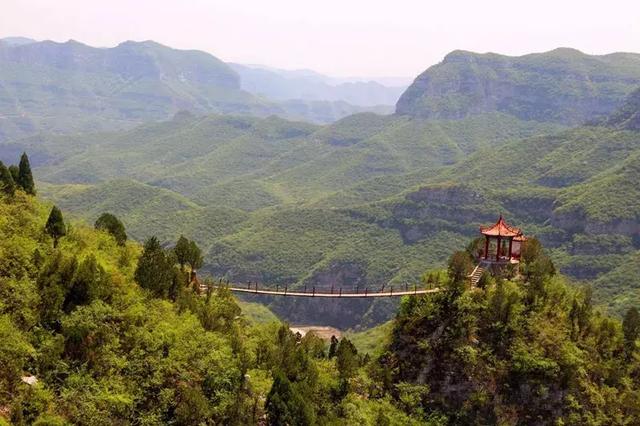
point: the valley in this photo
(301, 214)
(374, 199)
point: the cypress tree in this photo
(25, 178)
(181, 251)
(55, 226)
(285, 405)
(155, 269)
(7, 185)
(195, 256)
(111, 224)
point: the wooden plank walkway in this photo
(335, 294)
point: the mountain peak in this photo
(563, 86)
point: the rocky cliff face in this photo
(564, 86)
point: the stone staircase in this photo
(476, 274)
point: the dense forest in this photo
(98, 329)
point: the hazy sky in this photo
(337, 37)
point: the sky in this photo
(336, 37)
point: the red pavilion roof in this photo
(500, 229)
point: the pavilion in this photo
(503, 243)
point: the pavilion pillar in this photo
(498, 250)
(486, 247)
(510, 246)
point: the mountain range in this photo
(550, 140)
(71, 87)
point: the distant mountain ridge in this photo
(563, 86)
(304, 84)
(71, 87)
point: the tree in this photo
(531, 249)
(7, 185)
(155, 269)
(25, 178)
(333, 346)
(111, 224)
(15, 172)
(285, 406)
(85, 285)
(55, 226)
(631, 329)
(195, 256)
(181, 251)
(188, 252)
(347, 359)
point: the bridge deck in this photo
(335, 294)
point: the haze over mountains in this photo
(548, 139)
(70, 87)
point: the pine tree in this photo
(25, 178)
(155, 269)
(347, 359)
(55, 226)
(181, 251)
(195, 256)
(7, 185)
(285, 405)
(111, 224)
(188, 252)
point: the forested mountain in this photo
(71, 87)
(99, 330)
(562, 86)
(371, 200)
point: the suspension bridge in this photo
(252, 288)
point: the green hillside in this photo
(368, 200)
(563, 85)
(90, 337)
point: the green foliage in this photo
(284, 406)
(111, 224)
(15, 172)
(459, 268)
(7, 185)
(25, 178)
(522, 350)
(55, 225)
(347, 359)
(188, 252)
(155, 269)
(631, 329)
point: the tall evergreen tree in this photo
(155, 269)
(15, 172)
(181, 251)
(111, 224)
(195, 256)
(25, 178)
(7, 185)
(55, 226)
(285, 406)
(188, 252)
(347, 359)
